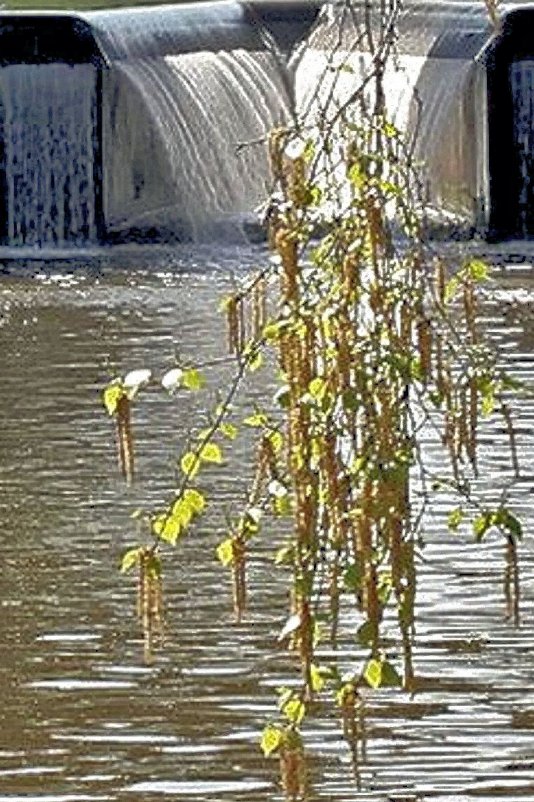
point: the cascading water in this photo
(48, 133)
(199, 160)
(522, 83)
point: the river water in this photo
(82, 718)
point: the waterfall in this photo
(48, 138)
(195, 162)
(522, 83)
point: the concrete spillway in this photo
(120, 125)
(127, 124)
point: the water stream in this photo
(48, 136)
(81, 717)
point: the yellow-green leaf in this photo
(272, 739)
(211, 453)
(111, 397)
(455, 518)
(317, 679)
(478, 270)
(225, 552)
(255, 362)
(195, 500)
(373, 673)
(192, 379)
(158, 523)
(229, 430)
(190, 464)
(171, 529)
(294, 710)
(258, 419)
(129, 559)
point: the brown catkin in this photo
(286, 246)
(293, 773)
(440, 281)
(424, 343)
(276, 144)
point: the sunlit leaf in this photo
(259, 419)
(111, 397)
(373, 673)
(477, 270)
(130, 558)
(317, 678)
(455, 518)
(190, 464)
(225, 551)
(255, 362)
(294, 710)
(285, 555)
(211, 452)
(229, 430)
(192, 379)
(171, 529)
(276, 440)
(271, 740)
(195, 500)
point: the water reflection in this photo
(82, 717)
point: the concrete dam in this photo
(149, 124)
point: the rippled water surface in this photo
(82, 717)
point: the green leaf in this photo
(282, 397)
(195, 500)
(272, 739)
(255, 362)
(509, 521)
(352, 578)
(190, 464)
(365, 633)
(294, 710)
(229, 430)
(477, 269)
(317, 388)
(130, 558)
(282, 506)
(285, 556)
(373, 673)
(317, 678)
(192, 379)
(481, 524)
(225, 552)
(451, 288)
(390, 676)
(211, 453)
(111, 397)
(171, 530)
(276, 440)
(158, 523)
(259, 419)
(455, 518)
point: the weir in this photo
(149, 124)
